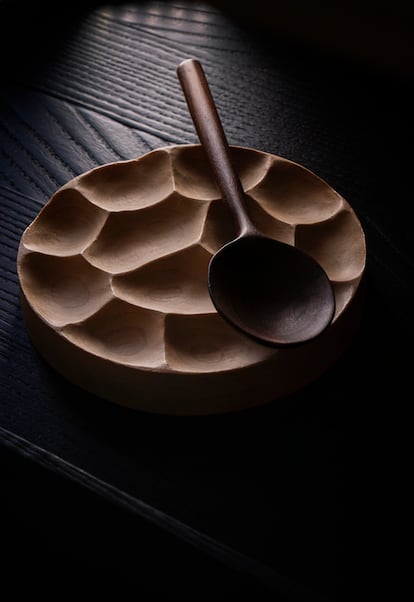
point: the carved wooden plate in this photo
(113, 275)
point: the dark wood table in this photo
(282, 502)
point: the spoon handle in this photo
(211, 134)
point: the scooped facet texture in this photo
(113, 273)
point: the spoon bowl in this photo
(253, 283)
(270, 290)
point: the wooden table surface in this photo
(281, 501)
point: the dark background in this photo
(298, 500)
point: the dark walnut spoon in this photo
(270, 290)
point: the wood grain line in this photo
(13, 195)
(99, 136)
(73, 77)
(27, 178)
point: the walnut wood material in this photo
(212, 136)
(270, 290)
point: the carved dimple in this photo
(66, 225)
(292, 194)
(122, 333)
(175, 283)
(337, 244)
(129, 185)
(206, 343)
(63, 289)
(132, 239)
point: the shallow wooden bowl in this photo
(113, 275)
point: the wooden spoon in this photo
(272, 291)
